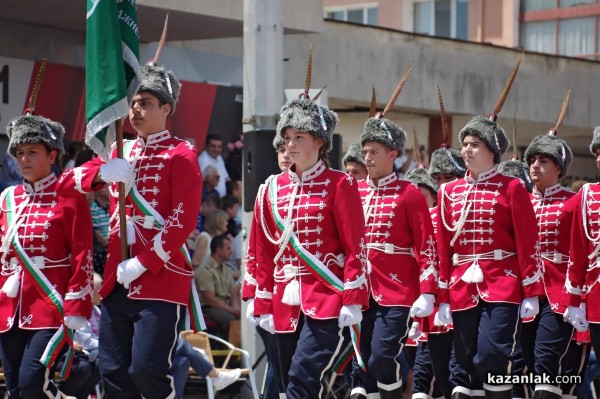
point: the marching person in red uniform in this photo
(143, 295)
(249, 285)
(311, 273)
(487, 248)
(546, 338)
(583, 272)
(354, 162)
(47, 265)
(401, 253)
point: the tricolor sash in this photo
(50, 295)
(194, 318)
(315, 266)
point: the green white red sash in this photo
(50, 295)
(194, 317)
(315, 266)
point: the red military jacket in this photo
(309, 223)
(488, 223)
(249, 284)
(554, 212)
(583, 272)
(400, 241)
(56, 235)
(427, 323)
(167, 177)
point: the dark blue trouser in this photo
(443, 362)
(137, 342)
(520, 368)
(424, 382)
(359, 377)
(185, 357)
(318, 345)
(272, 357)
(574, 363)
(84, 376)
(545, 341)
(389, 333)
(286, 346)
(20, 351)
(595, 333)
(485, 338)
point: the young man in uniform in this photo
(143, 295)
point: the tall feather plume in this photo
(396, 93)
(161, 42)
(308, 71)
(373, 108)
(416, 147)
(514, 135)
(36, 87)
(443, 116)
(511, 79)
(314, 100)
(563, 111)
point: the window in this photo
(367, 15)
(539, 36)
(573, 3)
(576, 36)
(445, 18)
(532, 5)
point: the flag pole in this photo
(122, 214)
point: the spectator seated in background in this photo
(219, 293)
(85, 372)
(212, 156)
(100, 222)
(231, 206)
(211, 177)
(11, 174)
(185, 357)
(234, 187)
(216, 223)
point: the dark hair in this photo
(324, 154)
(212, 137)
(84, 156)
(231, 185)
(218, 242)
(229, 201)
(215, 199)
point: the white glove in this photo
(11, 285)
(250, 312)
(530, 307)
(267, 323)
(415, 332)
(576, 316)
(75, 322)
(423, 306)
(129, 270)
(116, 170)
(445, 313)
(349, 315)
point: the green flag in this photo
(112, 69)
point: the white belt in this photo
(555, 257)
(473, 274)
(41, 262)
(391, 249)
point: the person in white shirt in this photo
(211, 156)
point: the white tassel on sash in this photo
(11, 285)
(473, 274)
(291, 294)
(131, 239)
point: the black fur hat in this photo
(595, 140)
(489, 132)
(518, 169)
(447, 161)
(421, 177)
(162, 83)
(354, 154)
(33, 129)
(551, 146)
(305, 115)
(384, 131)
